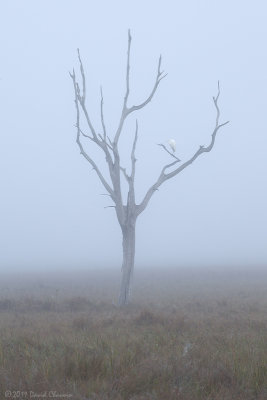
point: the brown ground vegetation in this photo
(187, 335)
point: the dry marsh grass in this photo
(187, 335)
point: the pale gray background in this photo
(214, 213)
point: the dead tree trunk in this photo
(128, 213)
(128, 248)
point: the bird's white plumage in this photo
(172, 144)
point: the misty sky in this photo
(214, 212)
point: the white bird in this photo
(172, 144)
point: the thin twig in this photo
(127, 177)
(171, 154)
(102, 116)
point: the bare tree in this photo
(128, 213)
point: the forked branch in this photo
(159, 77)
(80, 98)
(82, 151)
(128, 110)
(202, 149)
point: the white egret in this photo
(172, 144)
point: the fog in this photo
(212, 214)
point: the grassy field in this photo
(188, 334)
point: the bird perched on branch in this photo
(172, 144)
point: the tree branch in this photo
(102, 117)
(202, 149)
(128, 69)
(83, 78)
(171, 154)
(82, 151)
(103, 140)
(169, 165)
(133, 159)
(124, 112)
(84, 134)
(127, 177)
(125, 109)
(130, 178)
(81, 99)
(159, 77)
